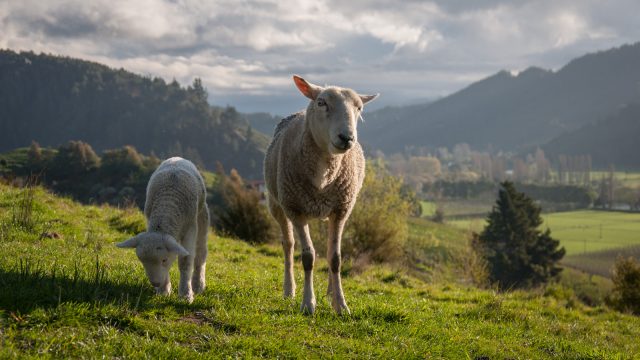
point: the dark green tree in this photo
(518, 253)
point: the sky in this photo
(246, 51)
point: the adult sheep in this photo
(177, 226)
(314, 168)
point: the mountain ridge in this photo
(512, 112)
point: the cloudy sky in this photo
(246, 51)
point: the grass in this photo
(80, 297)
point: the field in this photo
(593, 239)
(75, 295)
(628, 179)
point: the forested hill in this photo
(53, 99)
(612, 141)
(514, 112)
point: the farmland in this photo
(583, 231)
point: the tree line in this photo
(52, 100)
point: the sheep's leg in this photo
(287, 246)
(308, 258)
(198, 281)
(336, 226)
(185, 264)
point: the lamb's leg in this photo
(336, 226)
(308, 258)
(164, 289)
(287, 246)
(185, 264)
(198, 281)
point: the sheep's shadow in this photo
(26, 287)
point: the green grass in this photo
(80, 297)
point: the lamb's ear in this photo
(367, 98)
(306, 88)
(129, 243)
(173, 246)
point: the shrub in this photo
(377, 227)
(240, 213)
(626, 286)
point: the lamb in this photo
(314, 168)
(177, 226)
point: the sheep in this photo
(314, 168)
(177, 225)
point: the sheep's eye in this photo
(359, 108)
(164, 261)
(321, 102)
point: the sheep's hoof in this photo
(198, 287)
(188, 296)
(342, 310)
(309, 308)
(289, 293)
(340, 306)
(164, 290)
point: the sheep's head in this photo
(333, 114)
(157, 252)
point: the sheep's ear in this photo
(306, 88)
(130, 243)
(367, 98)
(173, 246)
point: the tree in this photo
(517, 252)
(76, 158)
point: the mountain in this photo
(613, 140)
(514, 112)
(52, 100)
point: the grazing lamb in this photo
(177, 225)
(314, 168)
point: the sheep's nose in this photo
(347, 140)
(155, 284)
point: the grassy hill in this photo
(67, 292)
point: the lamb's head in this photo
(157, 252)
(332, 115)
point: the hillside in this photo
(514, 112)
(613, 140)
(77, 296)
(53, 99)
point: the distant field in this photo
(628, 179)
(457, 208)
(582, 231)
(593, 239)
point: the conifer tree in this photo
(518, 253)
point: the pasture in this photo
(75, 295)
(584, 231)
